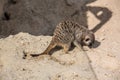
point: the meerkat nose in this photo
(90, 45)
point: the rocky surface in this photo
(40, 17)
(14, 65)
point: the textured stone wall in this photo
(39, 17)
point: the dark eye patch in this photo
(87, 39)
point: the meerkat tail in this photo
(34, 55)
(48, 49)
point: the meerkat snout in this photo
(89, 39)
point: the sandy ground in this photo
(106, 57)
(59, 66)
(102, 62)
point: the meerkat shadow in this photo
(57, 48)
(96, 44)
(101, 13)
(72, 47)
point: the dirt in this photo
(100, 63)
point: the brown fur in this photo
(67, 32)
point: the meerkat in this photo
(68, 32)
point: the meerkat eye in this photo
(87, 39)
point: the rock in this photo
(40, 17)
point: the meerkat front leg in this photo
(78, 45)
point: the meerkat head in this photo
(88, 39)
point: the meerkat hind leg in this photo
(66, 47)
(49, 48)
